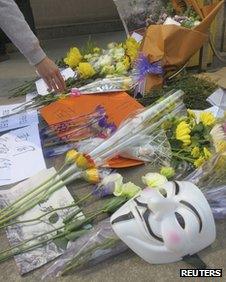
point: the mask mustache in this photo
(124, 217)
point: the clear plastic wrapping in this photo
(211, 174)
(108, 84)
(135, 129)
(135, 13)
(216, 197)
(155, 149)
(98, 245)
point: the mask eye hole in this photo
(180, 219)
(163, 192)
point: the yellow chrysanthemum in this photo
(73, 58)
(183, 133)
(195, 152)
(207, 118)
(207, 153)
(86, 70)
(131, 46)
(199, 162)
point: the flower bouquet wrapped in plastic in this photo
(108, 84)
(212, 173)
(76, 129)
(134, 14)
(173, 45)
(136, 128)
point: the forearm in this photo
(16, 28)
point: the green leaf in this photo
(177, 144)
(54, 218)
(72, 236)
(61, 242)
(198, 128)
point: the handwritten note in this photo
(20, 155)
(42, 87)
(16, 121)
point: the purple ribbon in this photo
(143, 67)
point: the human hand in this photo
(48, 70)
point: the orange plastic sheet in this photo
(118, 106)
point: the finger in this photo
(62, 84)
(48, 83)
(52, 85)
(59, 83)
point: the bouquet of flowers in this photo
(160, 44)
(135, 14)
(92, 63)
(78, 128)
(190, 137)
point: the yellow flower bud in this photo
(92, 175)
(84, 162)
(195, 152)
(71, 156)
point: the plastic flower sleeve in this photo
(109, 84)
(154, 149)
(135, 13)
(149, 119)
(211, 174)
(216, 198)
(96, 246)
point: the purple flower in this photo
(224, 127)
(103, 122)
(100, 110)
(101, 191)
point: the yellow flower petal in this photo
(207, 118)
(86, 70)
(73, 58)
(183, 133)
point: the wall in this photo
(52, 13)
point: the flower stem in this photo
(29, 193)
(27, 205)
(37, 218)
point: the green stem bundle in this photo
(38, 195)
(69, 228)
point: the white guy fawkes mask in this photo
(167, 225)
